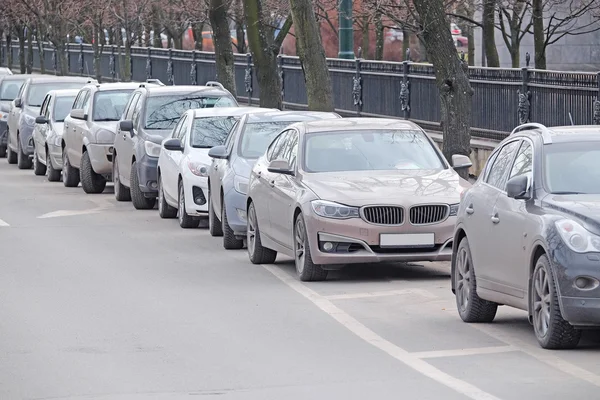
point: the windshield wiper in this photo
(567, 192)
(202, 146)
(105, 120)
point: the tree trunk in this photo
(379, 37)
(126, 65)
(29, 65)
(240, 36)
(489, 38)
(365, 37)
(157, 41)
(9, 57)
(312, 56)
(222, 41)
(405, 43)
(451, 78)
(538, 34)
(97, 47)
(265, 61)
(197, 29)
(21, 37)
(41, 52)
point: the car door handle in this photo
(469, 210)
(495, 218)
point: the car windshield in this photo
(572, 168)
(370, 150)
(258, 135)
(109, 105)
(163, 112)
(10, 89)
(38, 91)
(210, 131)
(62, 107)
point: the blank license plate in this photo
(407, 240)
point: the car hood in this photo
(583, 207)
(388, 187)
(157, 135)
(243, 167)
(33, 111)
(200, 155)
(105, 125)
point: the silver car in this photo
(9, 89)
(230, 170)
(48, 131)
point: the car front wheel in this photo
(11, 156)
(91, 182)
(305, 268)
(23, 160)
(140, 202)
(39, 169)
(122, 192)
(164, 209)
(214, 226)
(53, 174)
(185, 220)
(257, 253)
(70, 174)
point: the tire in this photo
(186, 221)
(164, 209)
(306, 270)
(140, 202)
(471, 307)
(214, 226)
(23, 161)
(70, 174)
(2, 151)
(256, 252)
(91, 182)
(11, 157)
(122, 193)
(39, 169)
(53, 174)
(551, 330)
(230, 242)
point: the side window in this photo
(131, 106)
(22, 92)
(501, 166)
(136, 112)
(86, 102)
(179, 130)
(231, 137)
(274, 150)
(78, 104)
(523, 164)
(292, 149)
(44, 108)
(48, 109)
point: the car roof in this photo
(228, 111)
(558, 134)
(64, 92)
(346, 124)
(290, 116)
(47, 79)
(166, 90)
(15, 77)
(115, 86)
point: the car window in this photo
(135, 116)
(273, 145)
(62, 107)
(291, 149)
(231, 136)
(38, 91)
(180, 127)
(131, 106)
(109, 105)
(22, 91)
(501, 166)
(86, 103)
(208, 132)
(572, 168)
(10, 89)
(79, 100)
(524, 161)
(257, 136)
(44, 108)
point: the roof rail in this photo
(215, 84)
(546, 137)
(92, 80)
(155, 81)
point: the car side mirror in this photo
(126, 126)
(460, 161)
(78, 113)
(41, 120)
(17, 103)
(280, 167)
(219, 152)
(173, 145)
(518, 187)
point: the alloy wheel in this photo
(251, 230)
(300, 238)
(541, 301)
(181, 203)
(463, 280)
(160, 196)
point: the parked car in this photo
(48, 132)
(233, 161)
(357, 190)
(89, 134)
(183, 163)
(4, 71)
(528, 233)
(149, 118)
(9, 89)
(26, 107)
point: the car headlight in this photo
(240, 184)
(329, 209)
(3, 116)
(152, 149)
(57, 140)
(453, 210)
(576, 237)
(104, 136)
(197, 168)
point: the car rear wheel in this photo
(70, 174)
(214, 226)
(91, 182)
(186, 221)
(39, 169)
(164, 209)
(2, 151)
(230, 242)
(122, 192)
(551, 330)
(23, 160)
(11, 156)
(140, 202)
(471, 307)
(305, 268)
(53, 174)
(257, 253)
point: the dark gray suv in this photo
(149, 117)
(528, 233)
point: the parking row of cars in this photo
(330, 191)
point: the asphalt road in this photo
(100, 301)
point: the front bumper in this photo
(356, 241)
(196, 194)
(101, 158)
(148, 175)
(235, 206)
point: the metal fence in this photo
(502, 98)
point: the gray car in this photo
(528, 233)
(9, 89)
(232, 164)
(89, 134)
(48, 131)
(26, 108)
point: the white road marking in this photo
(545, 356)
(69, 213)
(464, 352)
(374, 339)
(398, 292)
(4, 223)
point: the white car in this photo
(183, 162)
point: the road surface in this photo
(100, 301)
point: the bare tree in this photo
(218, 15)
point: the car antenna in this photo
(571, 118)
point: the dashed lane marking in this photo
(464, 352)
(399, 292)
(3, 223)
(69, 213)
(369, 336)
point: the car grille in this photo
(429, 214)
(384, 215)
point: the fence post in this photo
(596, 109)
(194, 69)
(111, 63)
(405, 86)
(357, 85)
(524, 105)
(170, 76)
(148, 63)
(81, 61)
(54, 60)
(248, 78)
(281, 78)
